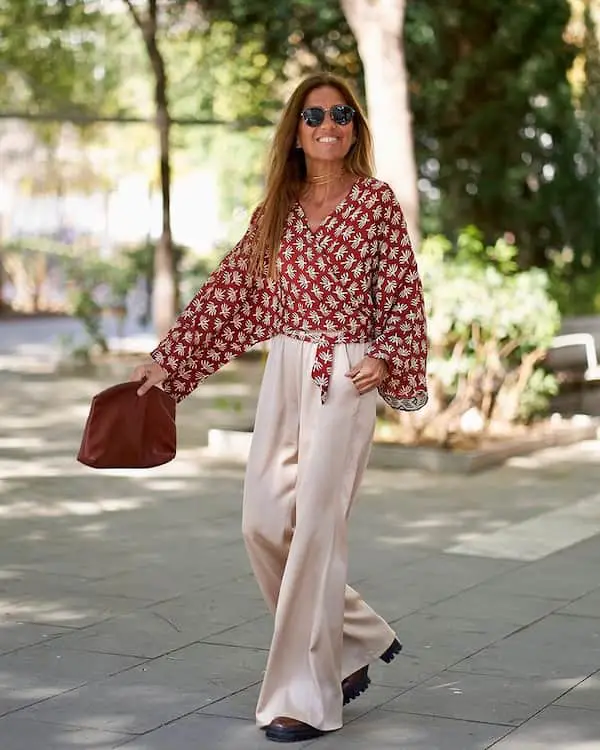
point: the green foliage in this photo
(498, 134)
(296, 37)
(534, 399)
(504, 142)
(87, 310)
(501, 142)
(489, 325)
(53, 57)
(576, 293)
(86, 275)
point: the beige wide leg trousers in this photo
(304, 468)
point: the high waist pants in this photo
(304, 468)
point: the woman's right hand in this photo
(151, 373)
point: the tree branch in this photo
(135, 15)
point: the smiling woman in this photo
(327, 273)
(349, 154)
(325, 136)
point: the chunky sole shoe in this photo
(358, 682)
(393, 651)
(283, 729)
(355, 684)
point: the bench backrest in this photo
(572, 352)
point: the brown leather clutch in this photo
(127, 431)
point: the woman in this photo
(325, 271)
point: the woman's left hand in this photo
(369, 373)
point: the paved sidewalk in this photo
(129, 618)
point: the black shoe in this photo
(355, 684)
(359, 681)
(393, 651)
(283, 729)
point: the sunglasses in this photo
(341, 114)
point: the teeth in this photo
(327, 139)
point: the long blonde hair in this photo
(286, 171)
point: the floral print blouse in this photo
(353, 279)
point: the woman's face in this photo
(328, 142)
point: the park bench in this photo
(573, 358)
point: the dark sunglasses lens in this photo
(342, 114)
(313, 116)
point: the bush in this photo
(489, 326)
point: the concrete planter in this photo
(234, 445)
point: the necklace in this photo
(325, 179)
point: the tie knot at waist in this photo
(324, 354)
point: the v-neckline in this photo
(339, 205)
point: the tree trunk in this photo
(165, 302)
(165, 297)
(378, 28)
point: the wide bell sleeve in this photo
(230, 313)
(399, 311)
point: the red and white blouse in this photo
(353, 279)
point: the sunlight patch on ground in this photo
(419, 540)
(40, 611)
(587, 451)
(536, 537)
(585, 683)
(29, 509)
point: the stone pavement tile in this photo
(160, 571)
(437, 512)
(153, 584)
(18, 733)
(556, 728)
(587, 550)
(388, 730)
(15, 579)
(452, 638)
(377, 696)
(559, 576)
(408, 669)
(370, 560)
(393, 602)
(426, 655)
(142, 634)
(253, 634)
(585, 606)
(70, 558)
(242, 704)
(130, 709)
(539, 536)
(38, 672)
(403, 589)
(472, 697)
(436, 649)
(483, 601)
(156, 630)
(226, 667)
(14, 634)
(33, 583)
(211, 610)
(584, 695)
(557, 647)
(143, 698)
(238, 705)
(443, 574)
(66, 610)
(199, 732)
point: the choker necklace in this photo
(324, 179)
